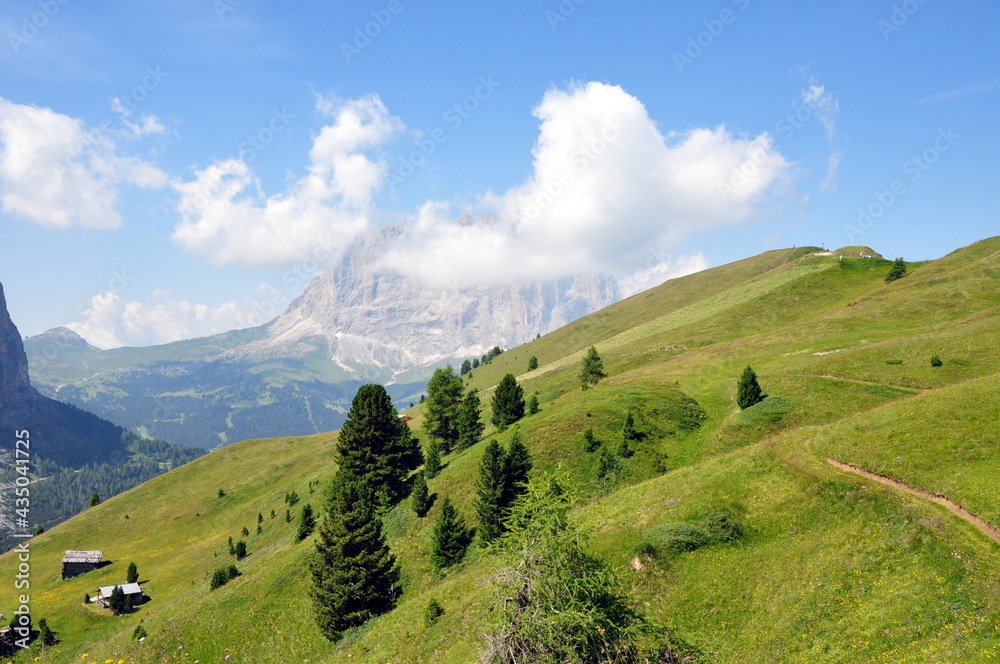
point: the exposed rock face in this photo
(370, 319)
(13, 362)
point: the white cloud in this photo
(607, 186)
(148, 125)
(55, 171)
(824, 104)
(654, 275)
(111, 322)
(226, 218)
(830, 181)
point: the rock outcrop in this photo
(13, 361)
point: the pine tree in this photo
(748, 390)
(508, 402)
(117, 601)
(451, 537)
(307, 523)
(45, 633)
(490, 489)
(532, 363)
(470, 423)
(628, 428)
(444, 396)
(432, 463)
(374, 446)
(518, 465)
(898, 270)
(95, 500)
(533, 404)
(354, 575)
(592, 369)
(132, 573)
(419, 497)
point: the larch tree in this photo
(592, 369)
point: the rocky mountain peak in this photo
(377, 324)
(13, 361)
(63, 336)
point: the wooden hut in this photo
(76, 563)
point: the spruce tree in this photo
(748, 390)
(470, 423)
(45, 633)
(132, 573)
(432, 464)
(117, 601)
(466, 367)
(354, 575)
(592, 369)
(898, 270)
(518, 465)
(307, 523)
(375, 447)
(508, 402)
(532, 363)
(628, 428)
(420, 499)
(491, 486)
(95, 500)
(241, 550)
(533, 404)
(444, 396)
(451, 537)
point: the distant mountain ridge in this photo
(75, 451)
(295, 375)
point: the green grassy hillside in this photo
(831, 567)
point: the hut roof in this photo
(127, 588)
(92, 557)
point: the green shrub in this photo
(722, 527)
(936, 361)
(139, 633)
(433, 612)
(893, 361)
(222, 575)
(590, 442)
(677, 537)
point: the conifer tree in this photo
(132, 573)
(451, 537)
(533, 404)
(897, 271)
(354, 575)
(748, 390)
(117, 601)
(470, 423)
(375, 447)
(532, 363)
(508, 402)
(432, 464)
(45, 633)
(517, 466)
(628, 428)
(241, 550)
(592, 369)
(444, 396)
(419, 496)
(95, 500)
(466, 367)
(491, 486)
(307, 522)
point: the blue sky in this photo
(166, 167)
